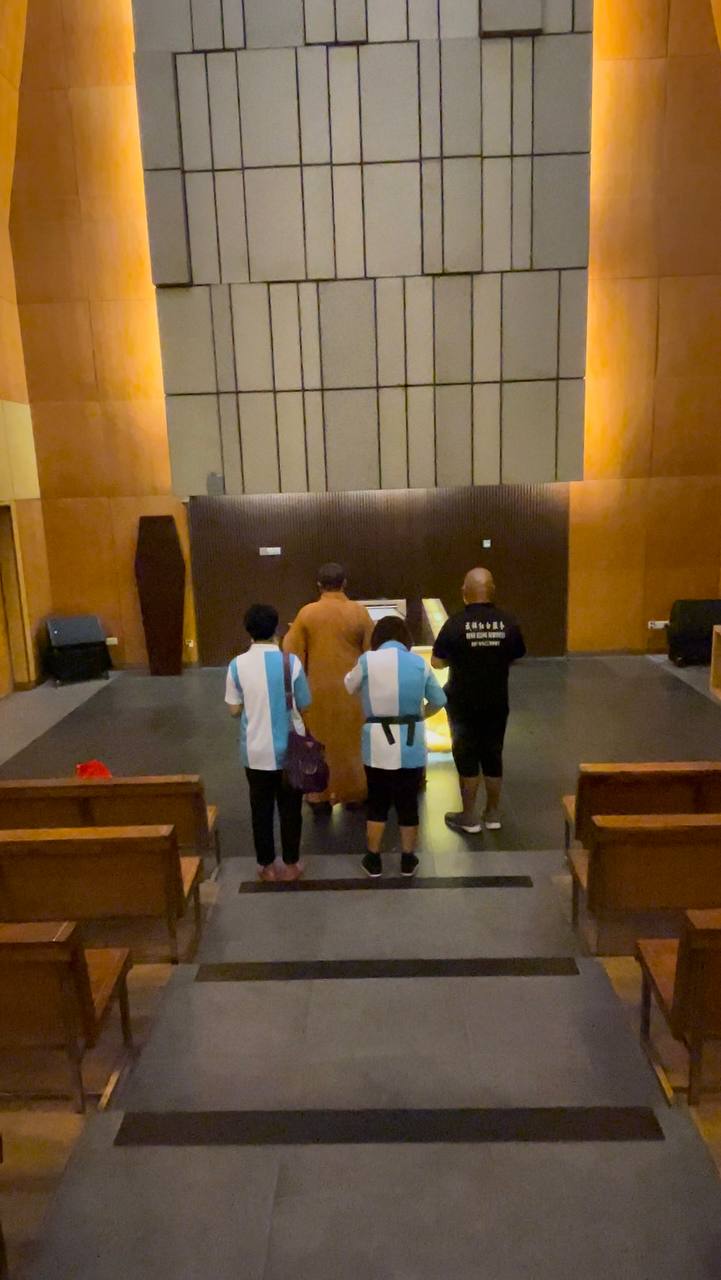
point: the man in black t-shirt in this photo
(478, 644)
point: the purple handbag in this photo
(305, 764)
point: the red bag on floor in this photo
(92, 769)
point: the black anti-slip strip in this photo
(328, 1128)
(317, 970)
(435, 882)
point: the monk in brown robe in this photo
(329, 636)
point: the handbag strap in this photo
(288, 680)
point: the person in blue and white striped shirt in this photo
(398, 692)
(255, 691)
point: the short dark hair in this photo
(391, 628)
(331, 576)
(261, 621)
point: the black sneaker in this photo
(372, 864)
(409, 864)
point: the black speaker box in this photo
(77, 649)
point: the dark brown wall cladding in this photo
(397, 543)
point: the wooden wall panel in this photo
(31, 548)
(606, 565)
(402, 543)
(653, 409)
(683, 544)
(81, 558)
(635, 546)
(620, 380)
(87, 308)
(91, 549)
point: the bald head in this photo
(479, 587)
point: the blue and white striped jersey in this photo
(256, 682)
(393, 682)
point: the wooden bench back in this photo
(697, 989)
(676, 787)
(654, 862)
(45, 995)
(177, 801)
(89, 873)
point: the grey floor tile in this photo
(153, 1213)
(564, 710)
(634, 1210)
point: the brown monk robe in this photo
(329, 636)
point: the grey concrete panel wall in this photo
(461, 97)
(530, 325)
(487, 433)
(350, 20)
(186, 338)
(560, 211)
(223, 338)
(224, 113)
(393, 437)
(194, 112)
(234, 24)
(381, 207)
(347, 328)
(528, 426)
(259, 442)
(207, 18)
(273, 25)
(163, 24)
(158, 109)
(387, 20)
(562, 94)
(392, 215)
(230, 438)
(453, 435)
(389, 102)
(274, 212)
(320, 21)
(167, 225)
(194, 438)
(511, 15)
(352, 439)
(453, 327)
(571, 406)
(202, 228)
(253, 347)
(291, 443)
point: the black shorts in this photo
(393, 788)
(478, 744)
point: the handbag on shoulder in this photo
(305, 764)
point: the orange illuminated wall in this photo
(87, 309)
(646, 523)
(19, 487)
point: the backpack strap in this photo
(288, 681)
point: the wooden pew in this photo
(56, 995)
(684, 977)
(98, 873)
(647, 863)
(177, 801)
(673, 787)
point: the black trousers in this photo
(393, 788)
(268, 787)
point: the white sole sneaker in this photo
(473, 830)
(492, 824)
